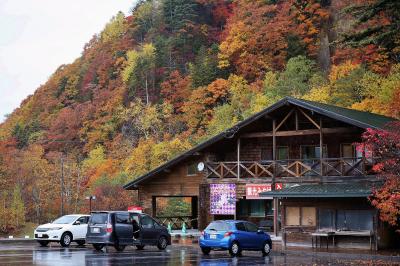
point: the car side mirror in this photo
(77, 223)
(260, 231)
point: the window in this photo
(83, 219)
(242, 208)
(218, 226)
(346, 219)
(147, 222)
(326, 219)
(292, 216)
(282, 153)
(251, 227)
(192, 169)
(98, 218)
(122, 218)
(240, 227)
(257, 208)
(301, 216)
(348, 151)
(312, 152)
(308, 216)
(354, 220)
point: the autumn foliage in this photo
(385, 145)
(172, 73)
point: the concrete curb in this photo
(340, 255)
(13, 241)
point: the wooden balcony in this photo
(342, 167)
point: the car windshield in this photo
(67, 219)
(98, 218)
(218, 226)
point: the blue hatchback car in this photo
(234, 236)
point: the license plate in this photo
(96, 230)
(39, 235)
(213, 236)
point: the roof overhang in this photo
(351, 190)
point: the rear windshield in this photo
(218, 226)
(98, 218)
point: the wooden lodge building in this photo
(293, 167)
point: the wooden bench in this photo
(319, 234)
(363, 233)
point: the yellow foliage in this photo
(342, 70)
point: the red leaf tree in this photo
(385, 145)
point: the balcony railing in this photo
(290, 168)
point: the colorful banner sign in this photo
(223, 199)
(253, 190)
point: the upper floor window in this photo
(313, 152)
(282, 153)
(192, 169)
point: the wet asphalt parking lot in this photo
(32, 254)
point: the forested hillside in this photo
(172, 73)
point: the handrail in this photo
(346, 166)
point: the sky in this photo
(37, 36)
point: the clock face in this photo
(200, 166)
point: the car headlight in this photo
(55, 228)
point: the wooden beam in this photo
(309, 118)
(238, 158)
(297, 119)
(321, 147)
(299, 132)
(284, 120)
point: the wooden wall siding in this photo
(174, 183)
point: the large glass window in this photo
(257, 208)
(173, 206)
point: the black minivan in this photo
(122, 228)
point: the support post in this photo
(321, 147)
(238, 158)
(275, 200)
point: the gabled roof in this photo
(353, 117)
(350, 190)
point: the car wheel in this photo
(80, 242)
(235, 250)
(43, 243)
(98, 247)
(162, 243)
(66, 239)
(206, 251)
(119, 247)
(139, 247)
(266, 248)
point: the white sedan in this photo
(66, 229)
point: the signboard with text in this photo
(253, 190)
(223, 199)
